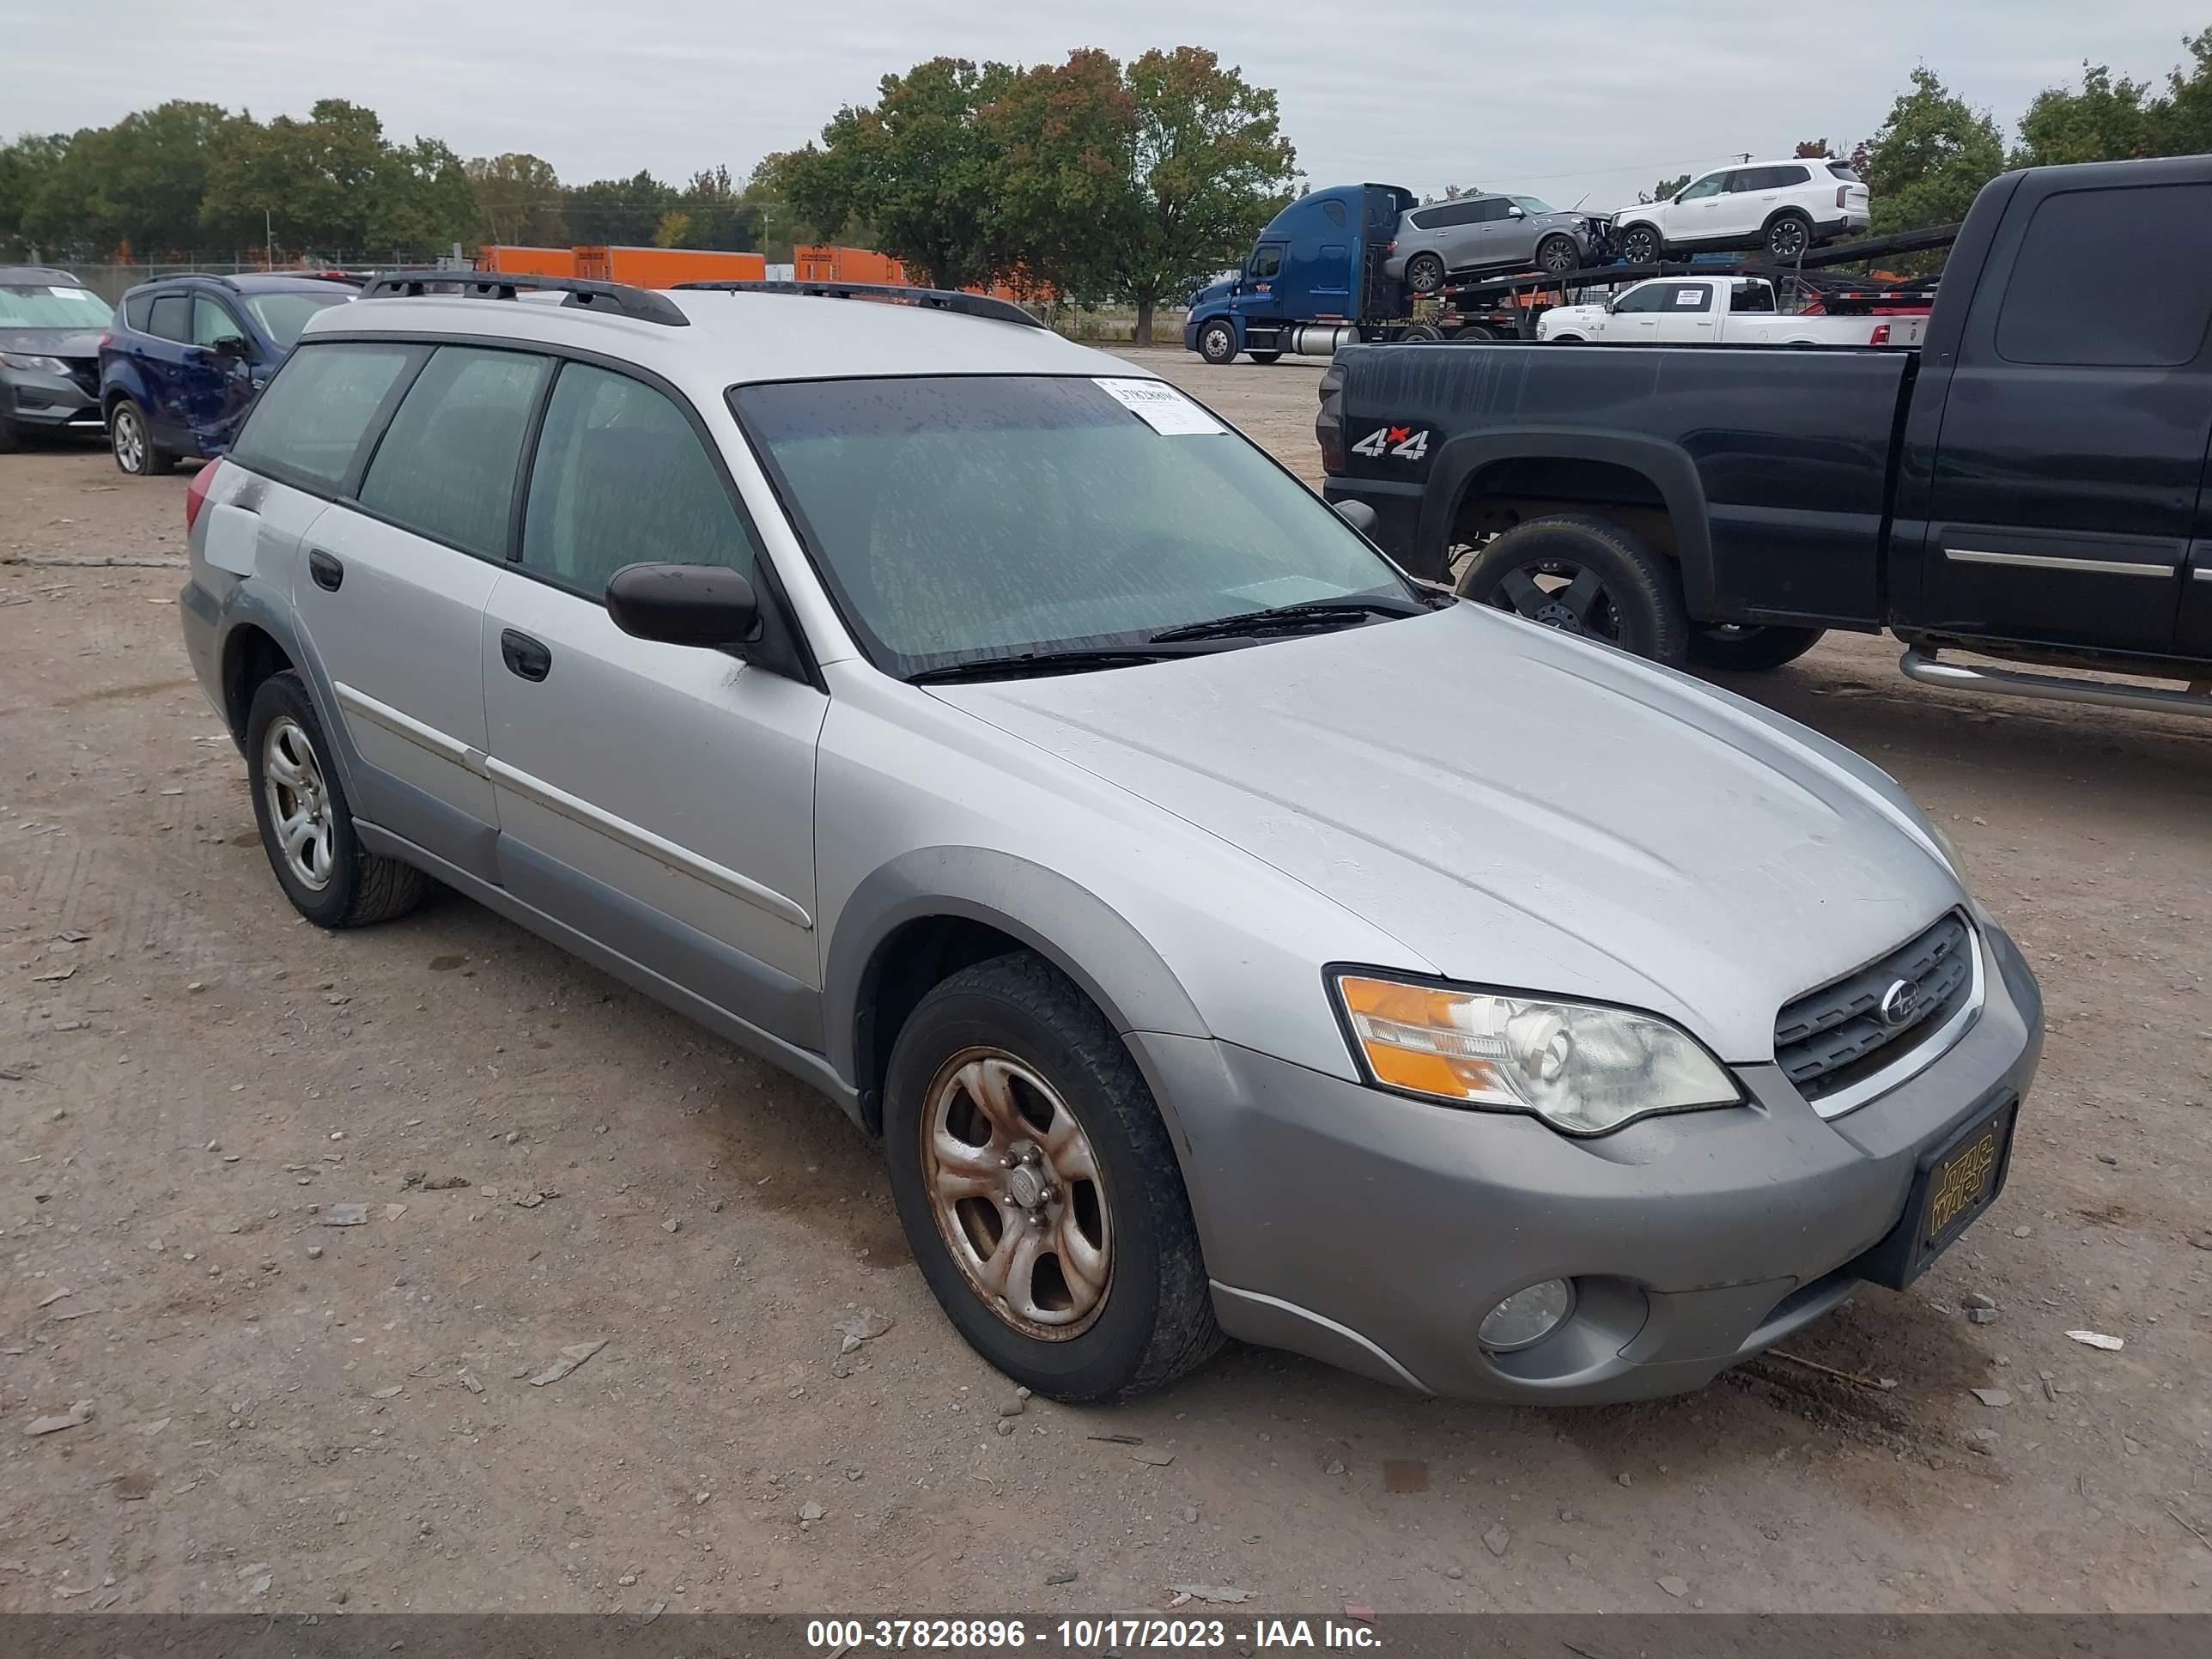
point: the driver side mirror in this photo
(702, 605)
(1515, 213)
(229, 346)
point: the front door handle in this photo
(325, 568)
(524, 655)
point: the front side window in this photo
(2167, 231)
(211, 323)
(1652, 296)
(447, 462)
(1533, 205)
(283, 315)
(1709, 185)
(310, 421)
(620, 477)
(37, 305)
(1267, 261)
(982, 516)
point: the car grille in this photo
(1830, 1038)
(85, 371)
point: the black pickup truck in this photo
(2029, 485)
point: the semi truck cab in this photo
(1312, 277)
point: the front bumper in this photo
(51, 403)
(1374, 1231)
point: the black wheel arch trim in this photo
(1667, 466)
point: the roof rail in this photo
(933, 299)
(620, 298)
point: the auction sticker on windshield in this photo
(1159, 405)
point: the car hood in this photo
(1519, 809)
(1213, 293)
(51, 342)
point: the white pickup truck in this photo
(1704, 311)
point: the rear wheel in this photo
(1586, 576)
(1788, 235)
(1749, 648)
(1038, 1188)
(10, 439)
(132, 442)
(1424, 273)
(1640, 244)
(1264, 357)
(1422, 334)
(1217, 343)
(1558, 255)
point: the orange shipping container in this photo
(528, 261)
(665, 267)
(846, 265)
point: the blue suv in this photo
(185, 355)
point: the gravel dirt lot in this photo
(290, 1414)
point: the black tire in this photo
(1265, 357)
(1749, 650)
(361, 887)
(1788, 236)
(1641, 245)
(10, 439)
(130, 441)
(1558, 255)
(1156, 1321)
(1217, 343)
(1614, 586)
(1568, 339)
(1424, 273)
(1422, 334)
(1475, 334)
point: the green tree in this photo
(424, 201)
(1065, 136)
(2104, 120)
(674, 229)
(2180, 124)
(778, 227)
(919, 164)
(24, 166)
(1667, 188)
(1209, 168)
(716, 214)
(1813, 149)
(617, 211)
(518, 197)
(138, 183)
(1932, 156)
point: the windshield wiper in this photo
(1019, 664)
(1307, 613)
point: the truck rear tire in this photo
(1263, 358)
(1217, 343)
(1587, 576)
(1751, 649)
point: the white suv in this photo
(1784, 207)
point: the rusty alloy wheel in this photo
(1018, 1194)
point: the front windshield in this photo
(37, 305)
(968, 517)
(284, 314)
(1533, 204)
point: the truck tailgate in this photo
(1773, 462)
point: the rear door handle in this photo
(524, 656)
(325, 567)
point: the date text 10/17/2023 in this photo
(840, 1636)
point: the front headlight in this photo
(1583, 1068)
(33, 365)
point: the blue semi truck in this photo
(1314, 281)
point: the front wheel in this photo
(1217, 343)
(306, 824)
(1640, 246)
(1749, 648)
(1558, 255)
(1038, 1188)
(1587, 576)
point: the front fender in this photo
(1066, 924)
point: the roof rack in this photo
(933, 299)
(620, 298)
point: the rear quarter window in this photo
(2055, 313)
(308, 424)
(138, 311)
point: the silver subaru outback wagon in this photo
(976, 726)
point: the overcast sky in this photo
(1594, 96)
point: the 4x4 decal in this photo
(1401, 441)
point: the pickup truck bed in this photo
(2029, 485)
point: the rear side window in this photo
(2053, 312)
(447, 464)
(620, 477)
(138, 312)
(307, 425)
(172, 317)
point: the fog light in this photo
(1527, 1317)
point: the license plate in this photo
(1954, 1185)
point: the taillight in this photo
(1389, 247)
(1843, 194)
(196, 494)
(1881, 335)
